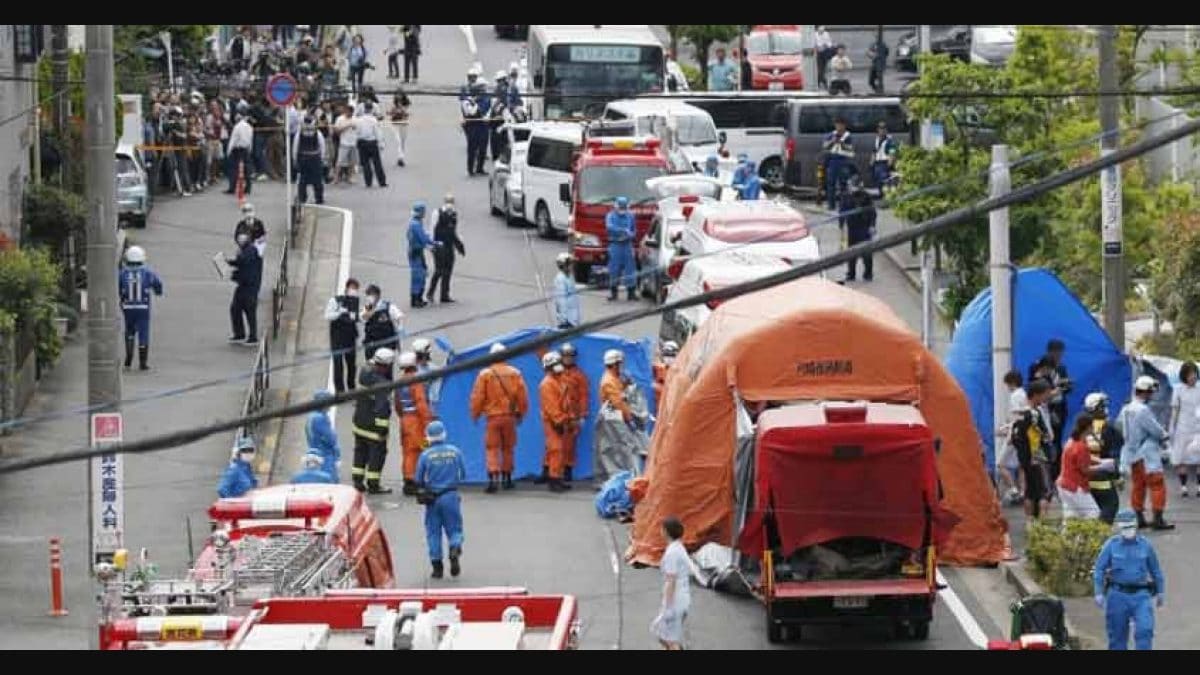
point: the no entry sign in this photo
(281, 89)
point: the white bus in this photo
(575, 70)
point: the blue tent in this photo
(455, 410)
(1043, 308)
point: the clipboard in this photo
(217, 259)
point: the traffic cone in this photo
(241, 184)
(56, 581)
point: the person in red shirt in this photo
(1078, 465)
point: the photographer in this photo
(176, 133)
(357, 59)
(445, 234)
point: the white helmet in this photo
(613, 356)
(475, 71)
(1145, 383)
(670, 348)
(247, 209)
(408, 360)
(501, 75)
(551, 359)
(1095, 401)
(422, 346)
(562, 260)
(383, 357)
(496, 348)
(135, 255)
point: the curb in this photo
(914, 280)
(1023, 583)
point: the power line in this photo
(932, 226)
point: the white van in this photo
(697, 135)
(753, 123)
(710, 273)
(547, 165)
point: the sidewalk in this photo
(162, 490)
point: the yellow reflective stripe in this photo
(367, 434)
(382, 421)
(357, 471)
(1100, 484)
(373, 475)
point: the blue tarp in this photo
(455, 411)
(1043, 308)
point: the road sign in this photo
(108, 488)
(281, 89)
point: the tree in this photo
(703, 36)
(134, 44)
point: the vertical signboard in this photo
(1110, 207)
(108, 488)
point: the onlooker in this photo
(1029, 436)
(825, 51)
(412, 51)
(841, 64)
(722, 74)
(393, 53)
(677, 597)
(347, 144)
(878, 53)
(1077, 469)
(216, 135)
(357, 60)
(399, 117)
(1185, 427)
(1008, 469)
(241, 140)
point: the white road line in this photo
(469, 32)
(537, 276)
(343, 275)
(965, 619)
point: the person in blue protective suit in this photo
(739, 172)
(238, 478)
(322, 438)
(313, 471)
(136, 283)
(439, 471)
(567, 312)
(418, 241)
(1126, 578)
(712, 166)
(751, 186)
(621, 230)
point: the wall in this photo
(16, 137)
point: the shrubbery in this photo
(1061, 555)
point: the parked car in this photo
(760, 226)
(753, 123)
(505, 194)
(986, 45)
(512, 32)
(134, 196)
(678, 197)
(992, 45)
(809, 120)
(707, 274)
(775, 57)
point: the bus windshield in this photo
(603, 184)
(580, 79)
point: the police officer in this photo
(251, 225)
(751, 186)
(860, 227)
(312, 471)
(712, 166)
(239, 478)
(370, 144)
(247, 274)
(342, 313)
(619, 225)
(884, 158)
(475, 106)
(418, 241)
(445, 234)
(321, 437)
(381, 323)
(137, 281)
(1126, 578)
(497, 115)
(1103, 482)
(372, 417)
(310, 158)
(439, 471)
(839, 156)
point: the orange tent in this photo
(809, 339)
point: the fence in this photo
(256, 397)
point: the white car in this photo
(759, 226)
(695, 131)
(504, 182)
(525, 188)
(677, 196)
(707, 274)
(992, 45)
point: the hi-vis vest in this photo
(843, 146)
(882, 146)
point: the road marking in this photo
(965, 619)
(469, 32)
(342, 277)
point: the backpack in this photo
(1040, 613)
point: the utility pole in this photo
(104, 376)
(1110, 194)
(59, 74)
(926, 263)
(1001, 278)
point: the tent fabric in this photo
(1043, 308)
(454, 408)
(814, 496)
(810, 339)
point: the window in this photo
(743, 113)
(695, 130)
(860, 119)
(603, 184)
(546, 153)
(520, 135)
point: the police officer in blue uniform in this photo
(476, 106)
(239, 478)
(310, 153)
(751, 186)
(418, 241)
(136, 283)
(739, 172)
(312, 471)
(247, 274)
(839, 160)
(620, 227)
(439, 471)
(321, 437)
(1126, 579)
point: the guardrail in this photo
(256, 396)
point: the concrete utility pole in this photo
(104, 376)
(1110, 194)
(926, 263)
(59, 75)
(1001, 277)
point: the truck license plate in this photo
(850, 603)
(774, 86)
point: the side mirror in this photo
(564, 192)
(722, 137)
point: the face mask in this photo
(242, 240)
(246, 457)
(1128, 532)
(558, 368)
(668, 360)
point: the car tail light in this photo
(712, 304)
(676, 267)
(790, 149)
(689, 199)
(687, 211)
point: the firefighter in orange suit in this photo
(500, 395)
(412, 407)
(612, 384)
(552, 394)
(667, 354)
(576, 405)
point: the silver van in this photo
(134, 196)
(808, 120)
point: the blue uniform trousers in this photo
(621, 266)
(312, 173)
(444, 514)
(137, 322)
(835, 178)
(418, 274)
(1119, 608)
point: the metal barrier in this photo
(279, 292)
(256, 396)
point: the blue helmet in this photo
(419, 209)
(743, 158)
(750, 166)
(435, 432)
(1126, 518)
(323, 395)
(711, 159)
(622, 203)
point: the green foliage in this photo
(52, 214)
(703, 36)
(1061, 558)
(28, 284)
(1176, 275)
(135, 73)
(693, 75)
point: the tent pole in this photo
(1001, 280)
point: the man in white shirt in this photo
(370, 144)
(839, 82)
(241, 139)
(824, 48)
(347, 144)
